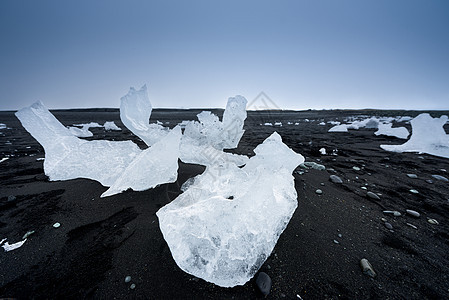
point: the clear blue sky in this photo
(302, 54)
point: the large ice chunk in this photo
(135, 112)
(68, 157)
(156, 165)
(428, 136)
(204, 140)
(227, 222)
(388, 130)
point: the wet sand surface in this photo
(103, 240)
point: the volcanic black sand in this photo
(103, 240)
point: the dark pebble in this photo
(335, 179)
(11, 198)
(263, 282)
(388, 225)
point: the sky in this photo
(387, 54)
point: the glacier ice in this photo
(228, 220)
(372, 122)
(135, 112)
(203, 140)
(117, 164)
(155, 165)
(9, 247)
(111, 126)
(428, 136)
(84, 130)
(68, 157)
(386, 129)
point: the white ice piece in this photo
(9, 247)
(68, 157)
(2, 126)
(203, 141)
(428, 136)
(339, 128)
(84, 130)
(135, 112)
(386, 129)
(111, 126)
(227, 222)
(156, 165)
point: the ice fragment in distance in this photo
(428, 136)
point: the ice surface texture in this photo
(227, 222)
(135, 112)
(118, 164)
(428, 136)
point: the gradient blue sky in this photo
(302, 54)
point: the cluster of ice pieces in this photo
(85, 132)
(383, 126)
(428, 136)
(227, 221)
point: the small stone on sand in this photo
(413, 213)
(319, 192)
(132, 286)
(56, 225)
(335, 179)
(372, 196)
(263, 282)
(367, 268)
(439, 177)
(127, 279)
(432, 221)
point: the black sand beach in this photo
(103, 240)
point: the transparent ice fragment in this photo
(68, 157)
(135, 112)
(228, 220)
(156, 165)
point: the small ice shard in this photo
(154, 166)
(9, 247)
(268, 124)
(111, 126)
(84, 130)
(227, 222)
(3, 159)
(203, 141)
(135, 112)
(339, 128)
(386, 129)
(56, 225)
(323, 151)
(68, 157)
(278, 124)
(2, 126)
(428, 136)
(322, 124)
